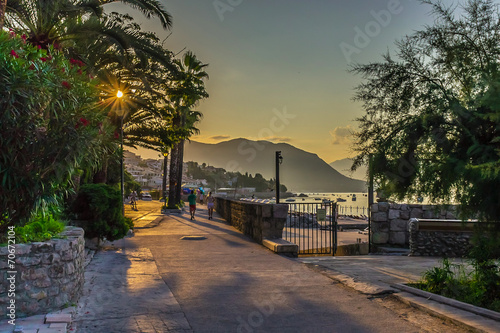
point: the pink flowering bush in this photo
(51, 126)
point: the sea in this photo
(355, 204)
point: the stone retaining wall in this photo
(390, 221)
(449, 244)
(48, 275)
(257, 220)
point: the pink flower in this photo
(24, 37)
(66, 84)
(116, 135)
(32, 67)
(79, 71)
(39, 47)
(43, 59)
(14, 54)
(84, 121)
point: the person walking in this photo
(210, 205)
(192, 204)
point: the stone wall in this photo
(257, 220)
(48, 275)
(439, 243)
(390, 221)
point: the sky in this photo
(279, 68)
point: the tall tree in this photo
(432, 120)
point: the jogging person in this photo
(192, 204)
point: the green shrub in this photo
(166, 205)
(100, 208)
(40, 228)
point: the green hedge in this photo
(99, 208)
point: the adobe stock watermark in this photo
(363, 37)
(277, 123)
(224, 6)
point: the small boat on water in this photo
(354, 197)
(290, 200)
(317, 198)
(341, 200)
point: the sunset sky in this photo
(279, 68)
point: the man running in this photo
(192, 204)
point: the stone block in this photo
(58, 318)
(42, 283)
(380, 238)
(374, 208)
(267, 210)
(379, 217)
(404, 214)
(381, 226)
(383, 206)
(28, 261)
(399, 225)
(416, 213)
(395, 206)
(394, 214)
(39, 295)
(430, 214)
(280, 211)
(397, 238)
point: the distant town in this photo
(149, 174)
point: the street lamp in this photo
(119, 94)
(279, 160)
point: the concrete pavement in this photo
(177, 275)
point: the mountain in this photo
(300, 171)
(344, 167)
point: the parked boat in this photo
(341, 200)
(354, 197)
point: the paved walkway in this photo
(177, 275)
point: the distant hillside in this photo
(300, 172)
(344, 167)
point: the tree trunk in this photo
(172, 181)
(164, 184)
(3, 7)
(180, 161)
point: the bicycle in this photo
(133, 203)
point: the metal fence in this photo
(313, 227)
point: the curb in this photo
(448, 301)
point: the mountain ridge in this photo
(300, 171)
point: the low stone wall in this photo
(48, 275)
(389, 222)
(257, 220)
(440, 243)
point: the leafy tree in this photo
(432, 120)
(50, 126)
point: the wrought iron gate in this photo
(312, 226)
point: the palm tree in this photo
(188, 89)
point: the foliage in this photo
(41, 227)
(432, 120)
(50, 126)
(99, 207)
(479, 286)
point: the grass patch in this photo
(477, 284)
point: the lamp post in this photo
(119, 94)
(279, 160)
